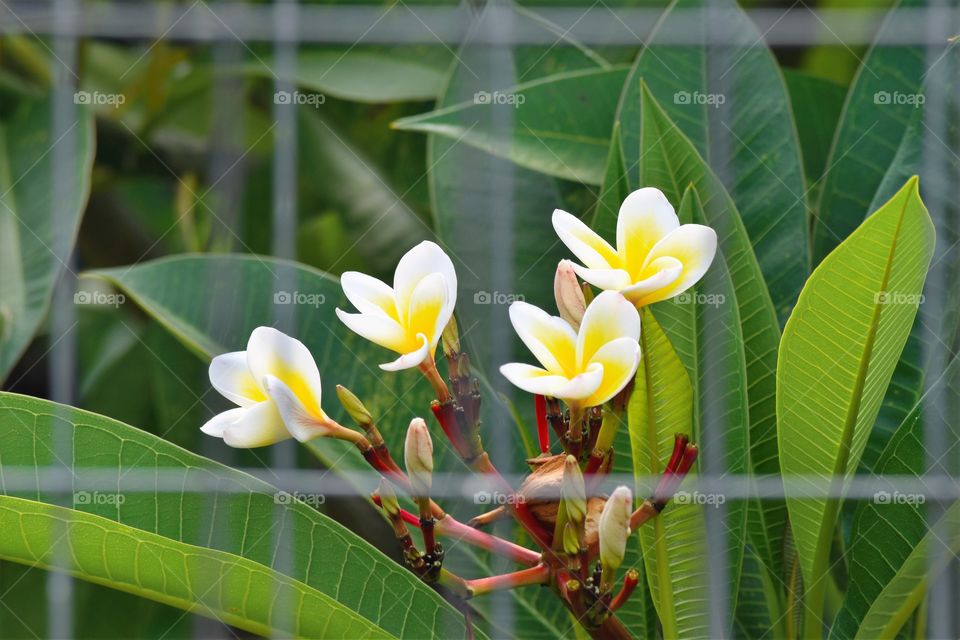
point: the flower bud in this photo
(388, 499)
(418, 456)
(352, 405)
(566, 288)
(450, 338)
(614, 528)
(573, 492)
(571, 539)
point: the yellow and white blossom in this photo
(410, 316)
(656, 257)
(584, 368)
(276, 384)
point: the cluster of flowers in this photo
(588, 356)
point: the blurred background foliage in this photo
(186, 165)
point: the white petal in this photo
(273, 353)
(424, 259)
(300, 422)
(608, 279)
(428, 313)
(259, 426)
(230, 376)
(550, 339)
(664, 270)
(535, 380)
(377, 329)
(608, 317)
(645, 217)
(619, 359)
(591, 249)
(411, 359)
(368, 294)
(216, 425)
(694, 245)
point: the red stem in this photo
(543, 429)
(539, 574)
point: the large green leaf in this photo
(37, 231)
(875, 116)
(703, 324)
(366, 73)
(223, 586)
(670, 162)
(817, 104)
(837, 355)
(730, 100)
(889, 529)
(674, 543)
(182, 496)
(902, 595)
(559, 125)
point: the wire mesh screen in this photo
(174, 175)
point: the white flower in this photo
(656, 257)
(614, 528)
(409, 317)
(418, 457)
(584, 368)
(276, 384)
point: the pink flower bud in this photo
(418, 456)
(614, 528)
(566, 288)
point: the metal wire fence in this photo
(240, 31)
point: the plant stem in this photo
(534, 575)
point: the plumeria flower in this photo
(409, 317)
(656, 257)
(276, 384)
(584, 368)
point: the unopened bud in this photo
(573, 492)
(614, 529)
(571, 539)
(352, 405)
(566, 288)
(388, 499)
(418, 456)
(450, 338)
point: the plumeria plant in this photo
(588, 356)
(683, 310)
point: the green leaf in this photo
(816, 104)
(703, 325)
(886, 533)
(187, 498)
(674, 543)
(558, 125)
(902, 595)
(837, 355)
(613, 191)
(729, 99)
(37, 232)
(875, 115)
(366, 73)
(223, 586)
(670, 162)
